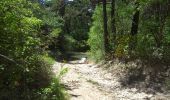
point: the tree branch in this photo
(7, 58)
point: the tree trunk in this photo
(106, 35)
(134, 29)
(61, 37)
(113, 25)
(62, 9)
(113, 18)
(135, 21)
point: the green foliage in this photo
(55, 91)
(166, 41)
(167, 83)
(152, 42)
(55, 32)
(124, 16)
(69, 42)
(51, 19)
(96, 36)
(50, 31)
(24, 71)
(152, 39)
(76, 21)
(122, 47)
(144, 47)
(62, 72)
(48, 59)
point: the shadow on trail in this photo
(66, 87)
(71, 57)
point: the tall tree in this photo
(62, 8)
(106, 34)
(160, 10)
(113, 18)
(135, 20)
(134, 28)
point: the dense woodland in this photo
(36, 33)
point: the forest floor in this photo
(92, 82)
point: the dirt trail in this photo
(91, 82)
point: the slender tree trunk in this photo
(62, 9)
(134, 28)
(113, 25)
(135, 22)
(106, 35)
(61, 37)
(113, 18)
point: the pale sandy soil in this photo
(91, 82)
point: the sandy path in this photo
(90, 82)
(79, 87)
